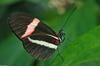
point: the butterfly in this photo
(37, 38)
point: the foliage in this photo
(82, 44)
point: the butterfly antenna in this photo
(68, 17)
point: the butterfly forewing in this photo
(37, 50)
(18, 22)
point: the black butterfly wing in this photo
(37, 50)
(43, 28)
(18, 23)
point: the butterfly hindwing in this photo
(39, 50)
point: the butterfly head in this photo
(61, 35)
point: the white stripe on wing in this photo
(44, 43)
(52, 36)
(58, 38)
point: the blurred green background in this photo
(82, 44)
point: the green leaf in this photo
(84, 49)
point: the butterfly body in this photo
(38, 39)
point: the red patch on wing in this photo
(31, 28)
(55, 41)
